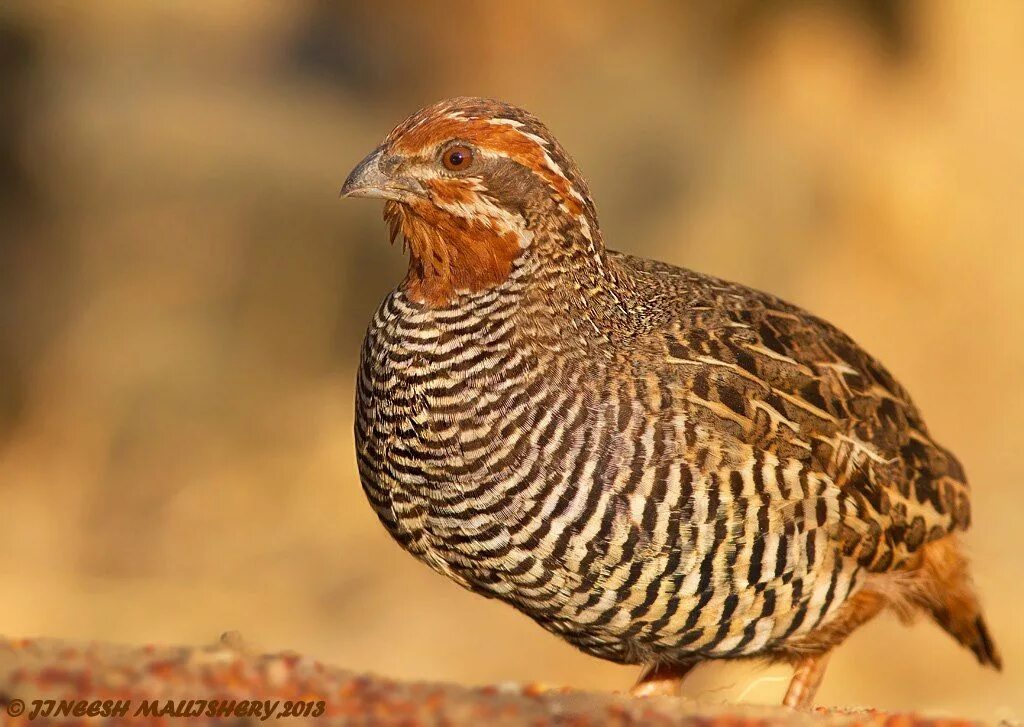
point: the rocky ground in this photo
(46, 681)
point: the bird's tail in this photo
(946, 593)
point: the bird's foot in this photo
(806, 679)
(661, 680)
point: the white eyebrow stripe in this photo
(540, 140)
(506, 122)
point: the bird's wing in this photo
(793, 387)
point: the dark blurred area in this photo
(182, 296)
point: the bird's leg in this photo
(660, 680)
(806, 679)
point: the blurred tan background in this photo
(182, 296)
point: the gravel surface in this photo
(49, 681)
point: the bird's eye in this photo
(456, 158)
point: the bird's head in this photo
(472, 185)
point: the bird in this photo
(661, 467)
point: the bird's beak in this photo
(369, 180)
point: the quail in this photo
(659, 466)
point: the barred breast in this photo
(600, 497)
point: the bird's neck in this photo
(451, 255)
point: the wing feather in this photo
(783, 382)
